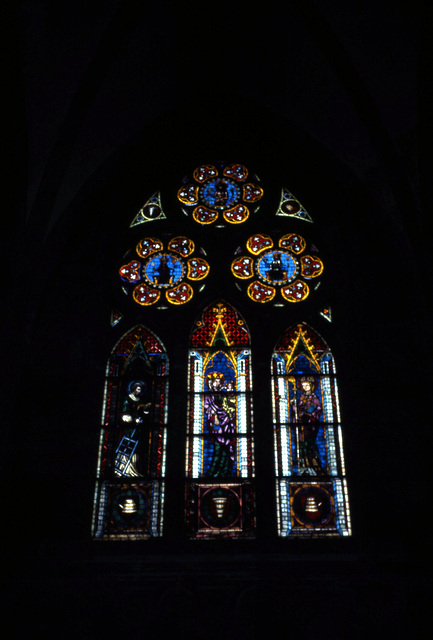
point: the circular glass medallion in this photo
(277, 267)
(151, 211)
(312, 505)
(220, 508)
(163, 270)
(220, 193)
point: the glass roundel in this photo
(220, 193)
(163, 270)
(284, 268)
(155, 270)
(277, 267)
(220, 190)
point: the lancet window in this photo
(309, 462)
(129, 497)
(220, 448)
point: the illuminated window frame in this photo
(129, 494)
(219, 446)
(312, 496)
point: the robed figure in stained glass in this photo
(130, 459)
(129, 492)
(220, 449)
(311, 484)
(220, 408)
(307, 410)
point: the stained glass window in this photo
(129, 496)
(290, 206)
(286, 268)
(163, 268)
(311, 484)
(167, 269)
(150, 211)
(220, 191)
(220, 449)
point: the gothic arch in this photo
(129, 497)
(220, 447)
(309, 461)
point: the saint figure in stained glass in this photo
(220, 460)
(129, 496)
(135, 422)
(311, 485)
(307, 410)
(220, 409)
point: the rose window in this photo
(225, 190)
(155, 270)
(285, 268)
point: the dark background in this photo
(109, 102)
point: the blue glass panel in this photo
(164, 270)
(220, 194)
(277, 266)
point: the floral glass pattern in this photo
(153, 270)
(220, 453)
(129, 496)
(224, 189)
(312, 497)
(287, 268)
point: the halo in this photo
(134, 383)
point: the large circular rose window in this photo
(286, 268)
(220, 190)
(155, 270)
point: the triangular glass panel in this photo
(326, 313)
(116, 317)
(291, 207)
(150, 211)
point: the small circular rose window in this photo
(171, 271)
(286, 269)
(225, 189)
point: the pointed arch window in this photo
(129, 496)
(165, 269)
(220, 448)
(311, 481)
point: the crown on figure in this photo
(214, 376)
